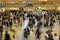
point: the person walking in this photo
(28, 31)
(1, 30)
(10, 24)
(51, 23)
(25, 34)
(38, 33)
(50, 36)
(56, 37)
(46, 36)
(7, 36)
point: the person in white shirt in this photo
(46, 36)
(56, 37)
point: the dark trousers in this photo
(10, 27)
(1, 33)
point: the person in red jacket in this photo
(18, 20)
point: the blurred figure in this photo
(25, 34)
(10, 24)
(38, 18)
(38, 33)
(46, 36)
(56, 37)
(50, 36)
(59, 19)
(14, 19)
(1, 30)
(47, 23)
(6, 24)
(18, 20)
(7, 36)
(39, 24)
(30, 24)
(51, 23)
(28, 31)
(21, 21)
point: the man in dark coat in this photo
(1, 30)
(7, 36)
(39, 24)
(10, 23)
(38, 18)
(51, 23)
(28, 31)
(46, 36)
(38, 33)
(25, 34)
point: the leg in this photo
(10, 27)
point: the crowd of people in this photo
(9, 18)
(49, 20)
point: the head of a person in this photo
(6, 32)
(55, 34)
(27, 28)
(24, 29)
(48, 32)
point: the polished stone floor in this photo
(19, 32)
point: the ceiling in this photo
(36, 3)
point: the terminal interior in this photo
(29, 19)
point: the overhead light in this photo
(12, 2)
(57, 4)
(39, 0)
(45, 0)
(39, 7)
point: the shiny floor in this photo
(19, 32)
